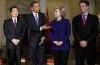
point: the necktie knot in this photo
(14, 20)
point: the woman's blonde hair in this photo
(62, 10)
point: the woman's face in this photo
(57, 13)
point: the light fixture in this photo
(23, 60)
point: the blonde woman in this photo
(59, 37)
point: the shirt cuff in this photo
(40, 29)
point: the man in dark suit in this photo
(14, 33)
(85, 28)
(37, 27)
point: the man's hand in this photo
(58, 43)
(83, 43)
(55, 42)
(42, 40)
(45, 27)
(15, 41)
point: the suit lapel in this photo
(39, 18)
(80, 21)
(87, 21)
(33, 19)
(18, 22)
(11, 22)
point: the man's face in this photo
(36, 7)
(14, 12)
(83, 7)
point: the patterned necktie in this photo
(84, 20)
(36, 19)
(14, 23)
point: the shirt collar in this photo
(34, 13)
(14, 19)
(60, 21)
(85, 13)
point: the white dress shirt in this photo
(86, 14)
(14, 19)
(34, 14)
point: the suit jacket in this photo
(11, 32)
(34, 31)
(88, 32)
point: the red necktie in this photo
(15, 23)
(84, 20)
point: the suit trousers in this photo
(37, 54)
(83, 54)
(14, 56)
(60, 57)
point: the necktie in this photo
(14, 23)
(36, 18)
(84, 20)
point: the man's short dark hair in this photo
(34, 2)
(85, 1)
(12, 8)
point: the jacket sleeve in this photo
(74, 30)
(22, 34)
(44, 33)
(95, 30)
(28, 24)
(51, 33)
(67, 32)
(6, 31)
